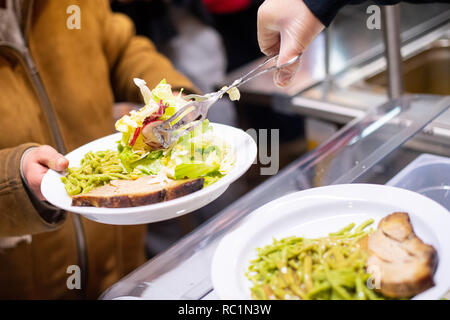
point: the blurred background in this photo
(214, 42)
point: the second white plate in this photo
(53, 189)
(319, 211)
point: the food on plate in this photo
(95, 170)
(234, 94)
(399, 260)
(133, 193)
(353, 264)
(198, 159)
(331, 267)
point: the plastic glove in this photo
(286, 28)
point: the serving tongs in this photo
(192, 114)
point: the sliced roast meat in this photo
(400, 262)
(133, 193)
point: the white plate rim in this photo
(223, 262)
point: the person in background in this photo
(287, 27)
(235, 22)
(74, 74)
(150, 17)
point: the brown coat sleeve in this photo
(18, 215)
(130, 56)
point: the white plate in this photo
(53, 189)
(319, 211)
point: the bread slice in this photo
(134, 193)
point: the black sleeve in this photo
(326, 10)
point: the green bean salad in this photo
(325, 268)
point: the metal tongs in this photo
(192, 114)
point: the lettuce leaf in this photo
(212, 178)
(145, 91)
(194, 170)
(149, 166)
(170, 111)
(163, 92)
(131, 160)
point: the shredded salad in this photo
(199, 153)
(325, 268)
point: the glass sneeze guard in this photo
(183, 271)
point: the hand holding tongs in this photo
(194, 112)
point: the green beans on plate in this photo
(96, 169)
(331, 267)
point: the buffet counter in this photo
(382, 142)
(370, 149)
